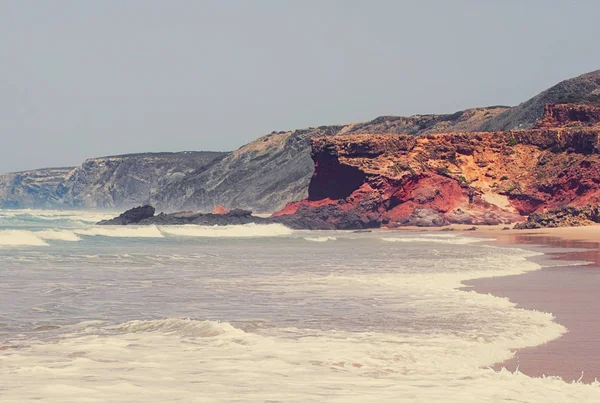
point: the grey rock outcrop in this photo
(133, 216)
(120, 181)
(144, 215)
(42, 188)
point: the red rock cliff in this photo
(364, 180)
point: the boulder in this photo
(132, 216)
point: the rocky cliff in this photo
(274, 170)
(42, 188)
(365, 180)
(105, 182)
(128, 180)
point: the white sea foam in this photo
(321, 238)
(175, 326)
(35, 238)
(433, 342)
(227, 231)
(451, 240)
(79, 216)
(20, 238)
(58, 235)
(184, 360)
(149, 231)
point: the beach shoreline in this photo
(567, 287)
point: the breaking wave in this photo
(13, 237)
(227, 231)
(150, 231)
(58, 235)
(321, 239)
(55, 216)
(20, 238)
(440, 239)
(185, 327)
(35, 238)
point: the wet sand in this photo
(571, 293)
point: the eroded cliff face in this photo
(41, 188)
(468, 178)
(130, 180)
(276, 169)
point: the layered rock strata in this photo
(370, 180)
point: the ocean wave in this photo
(321, 239)
(227, 231)
(20, 238)
(58, 235)
(177, 326)
(35, 238)
(39, 238)
(41, 216)
(442, 240)
(150, 231)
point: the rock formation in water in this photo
(144, 215)
(368, 180)
(132, 216)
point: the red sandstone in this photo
(471, 178)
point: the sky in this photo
(80, 79)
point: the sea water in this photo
(258, 314)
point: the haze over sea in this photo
(258, 313)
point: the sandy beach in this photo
(566, 289)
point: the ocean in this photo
(259, 314)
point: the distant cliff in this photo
(365, 180)
(105, 182)
(42, 188)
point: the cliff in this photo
(368, 180)
(268, 173)
(128, 180)
(105, 182)
(274, 170)
(42, 188)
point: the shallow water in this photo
(258, 313)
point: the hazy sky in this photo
(88, 78)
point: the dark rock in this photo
(327, 217)
(570, 216)
(423, 217)
(132, 216)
